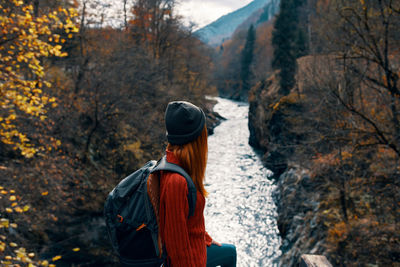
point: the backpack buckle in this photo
(141, 227)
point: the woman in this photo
(184, 238)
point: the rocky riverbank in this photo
(297, 204)
(298, 220)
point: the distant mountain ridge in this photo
(214, 34)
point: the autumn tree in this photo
(31, 36)
(117, 72)
(152, 24)
(25, 40)
(368, 53)
(364, 79)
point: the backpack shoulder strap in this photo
(164, 165)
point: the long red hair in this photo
(193, 159)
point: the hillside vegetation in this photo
(329, 125)
(231, 58)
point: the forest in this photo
(82, 106)
(82, 101)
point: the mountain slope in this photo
(214, 33)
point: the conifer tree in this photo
(301, 45)
(288, 41)
(246, 60)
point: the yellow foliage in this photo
(56, 258)
(11, 254)
(4, 223)
(18, 209)
(291, 98)
(27, 39)
(133, 147)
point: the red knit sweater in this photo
(184, 238)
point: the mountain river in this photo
(240, 209)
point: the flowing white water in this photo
(240, 209)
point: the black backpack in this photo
(131, 213)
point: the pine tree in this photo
(288, 41)
(246, 60)
(301, 45)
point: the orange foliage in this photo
(338, 232)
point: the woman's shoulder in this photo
(173, 179)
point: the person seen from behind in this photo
(184, 238)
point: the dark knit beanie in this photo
(184, 122)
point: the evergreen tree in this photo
(246, 60)
(301, 45)
(288, 41)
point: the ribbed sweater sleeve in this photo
(208, 239)
(176, 236)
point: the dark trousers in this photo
(224, 256)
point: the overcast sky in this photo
(203, 12)
(200, 12)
